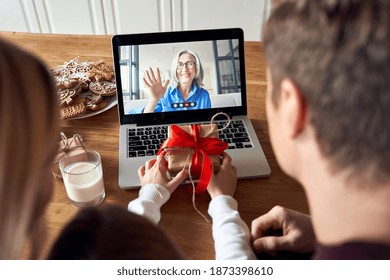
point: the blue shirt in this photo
(172, 100)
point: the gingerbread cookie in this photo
(103, 88)
(101, 71)
(96, 107)
(73, 70)
(65, 82)
(68, 95)
(80, 73)
(91, 100)
(73, 110)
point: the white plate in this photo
(111, 102)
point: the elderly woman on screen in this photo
(184, 91)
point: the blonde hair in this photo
(28, 129)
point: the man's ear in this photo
(294, 108)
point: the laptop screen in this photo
(179, 76)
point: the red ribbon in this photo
(203, 146)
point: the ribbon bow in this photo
(202, 147)
(65, 146)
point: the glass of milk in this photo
(83, 178)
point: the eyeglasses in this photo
(188, 64)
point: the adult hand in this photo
(155, 171)
(154, 83)
(298, 235)
(225, 181)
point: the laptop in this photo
(220, 53)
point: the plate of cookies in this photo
(84, 89)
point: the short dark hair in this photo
(337, 52)
(109, 232)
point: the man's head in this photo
(336, 53)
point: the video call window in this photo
(220, 86)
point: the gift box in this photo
(196, 147)
(181, 157)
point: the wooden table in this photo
(101, 132)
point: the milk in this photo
(83, 181)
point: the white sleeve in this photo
(231, 234)
(148, 204)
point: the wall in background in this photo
(131, 16)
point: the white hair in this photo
(199, 69)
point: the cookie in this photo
(101, 71)
(72, 63)
(80, 73)
(73, 70)
(65, 82)
(73, 110)
(67, 96)
(96, 107)
(103, 88)
(91, 99)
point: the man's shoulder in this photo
(356, 250)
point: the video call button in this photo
(184, 105)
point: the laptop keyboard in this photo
(146, 141)
(235, 134)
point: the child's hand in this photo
(225, 181)
(155, 171)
